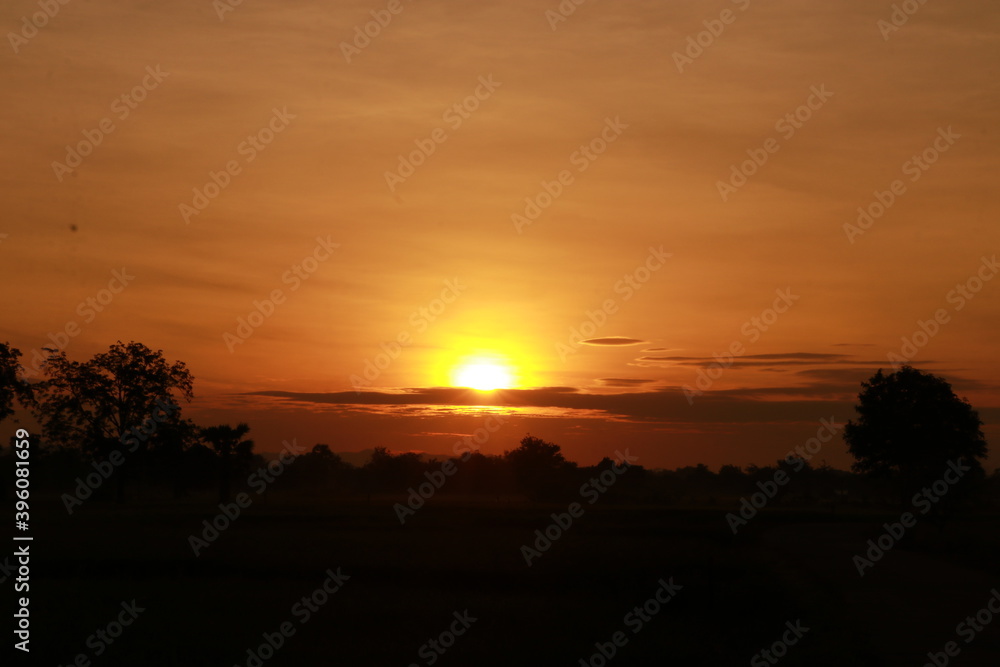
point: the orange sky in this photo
(531, 98)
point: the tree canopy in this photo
(12, 386)
(912, 423)
(98, 403)
(538, 465)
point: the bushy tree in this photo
(113, 402)
(538, 465)
(911, 424)
(12, 386)
(392, 472)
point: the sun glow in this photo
(483, 375)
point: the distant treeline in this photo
(536, 470)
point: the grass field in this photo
(407, 581)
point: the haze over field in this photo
(338, 232)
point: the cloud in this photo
(811, 357)
(667, 405)
(829, 386)
(623, 382)
(752, 360)
(612, 340)
(771, 361)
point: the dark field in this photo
(406, 582)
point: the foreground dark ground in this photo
(406, 582)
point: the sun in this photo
(483, 376)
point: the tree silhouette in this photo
(536, 453)
(537, 464)
(12, 387)
(392, 472)
(171, 454)
(109, 403)
(911, 424)
(320, 469)
(228, 442)
(323, 452)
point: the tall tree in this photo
(228, 442)
(113, 402)
(912, 424)
(12, 386)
